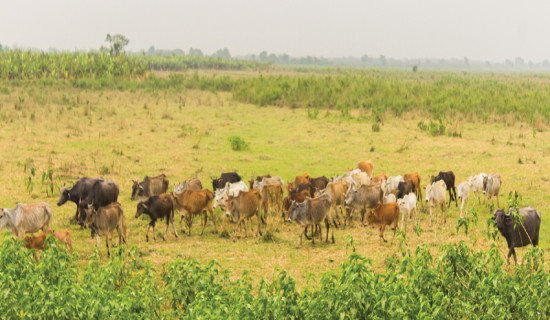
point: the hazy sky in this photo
(481, 30)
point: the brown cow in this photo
(158, 207)
(305, 178)
(415, 178)
(379, 178)
(245, 206)
(150, 186)
(195, 202)
(312, 212)
(367, 167)
(193, 184)
(384, 215)
(272, 196)
(38, 242)
(337, 192)
(105, 220)
(295, 196)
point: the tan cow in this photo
(384, 215)
(245, 206)
(366, 166)
(415, 178)
(304, 178)
(195, 202)
(104, 221)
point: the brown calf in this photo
(384, 215)
(38, 242)
(415, 178)
(195, 202)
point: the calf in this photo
(304, 178)
(518, 235)
(272, 196)
(391, 184)
(449, 178)
(435, 196)
(491, 187)
(193, 184)
(476, 183)
(319, 183)
(311, 212)
(224, 179)
(26, 218)
(404, 188)
(463, 193)
(150, 186)
(104, 221)
(415, 178)
(384, 215)
(407, 207)
(39, 242)
(380, 178)
(245, 206)
(195, 202)
(158, 207)
(389, 198)
(367, 167)
(363, 198)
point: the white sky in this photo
(492, 30)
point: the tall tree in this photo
(118, 42)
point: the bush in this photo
(238, 144)
(375, 127)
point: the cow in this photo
(389, 198)
(319, 183)
(449, 178)
(231, 189)
(491, 187)
(518, 235)
(337, 192)
(435, 196)
(104, 221)
(193, 184)
(26, 218)
(224, 179)
(404, 188)
(294, 195)
(463, 193)
(391, 184)
(150, 186)
(363, 198)
(258, 178)
(367, 167)
(265, 181)
(245, 206)
(93, 190)
(407, 207)
(476, 183)
(380, 178)
(272, 196)
(384, 215)
(360, 179)
(304, 178)
(415, 178)
(195, 202)
(39, 242)
(158, 207)
(312, 212)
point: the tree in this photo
(365, 58)
(263, 56)
(1, 47)
(151, 50)
(118, 42)
(383, 59)
(415, 68)
(195, 52)
(222, 53)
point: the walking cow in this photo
(26, 218)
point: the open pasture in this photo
(123, 135)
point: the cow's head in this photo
(501, 218)
(296, 210)
(3, 217)
(428, 188)
(229, 209)
(179, 187)
(90, 215)
(350, 196)
(220, 199)
(64, 196)
(485, 183)
(137, 190)
(141, 209)
(370, 217)
(82, 211)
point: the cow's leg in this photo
(259, 224)
(213, 220)
(204, 221)
(109, 234)
(147, 234)
(394, 229)
(154, 233)
(300, 238)
(173, 225)
(97, 240)
(461, 206)
(166, 228)
(382, 228)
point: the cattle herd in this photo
(310, 202)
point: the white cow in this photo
(464, 196)
(273, 180)
(389, 198)
(435, 196)
(231, 189)
(390, 185)
(491, 187)
(407, 207)
(360, 178)
(26, 218)
(476, 183)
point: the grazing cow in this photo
(407, 206)
(360, 179)
(272, 196)
(312, 212)
(294, 195)
(320, 183)
(384, 215)
(93, 190)
(389, 198)
(231, 189)
(265, 181)
(363, 198)
(491, 187)
(196, 202)
(26, 218)
(518, 235)
(193, 184)
(150, 186)
(449, 178)
(245, 206)
(435, 196)
(391, 184)
(105, 220)
(158, 207)
(404, 188)
(415, 178)
(476, 183)
(380, 178)
(304, 178)
(337, 192)
(224, 179)
(39, 242)
(367, 167)
(258, 178)
(463, 193)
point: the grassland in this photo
(124, 134)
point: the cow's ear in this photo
(144, 206)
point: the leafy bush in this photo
(375, 127)
(238, 144)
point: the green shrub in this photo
(238, 144)
(375, 127)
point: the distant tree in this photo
(466, 61)
(117, 42)
(222, 53)
(508, 62)
(519, 61)
(263, 56)
(415, 68)
(365, 58)
(179, 52)
(383, 59)
(1, 47)
(151, 50)
(272, 57)
(195, 52)
(284, 58)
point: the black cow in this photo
(404, 188)
(158, 207)
(94, 191)
(319, 183)
(225, 178)
(449, 178)
(518, 235)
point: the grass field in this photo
(122, 135)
